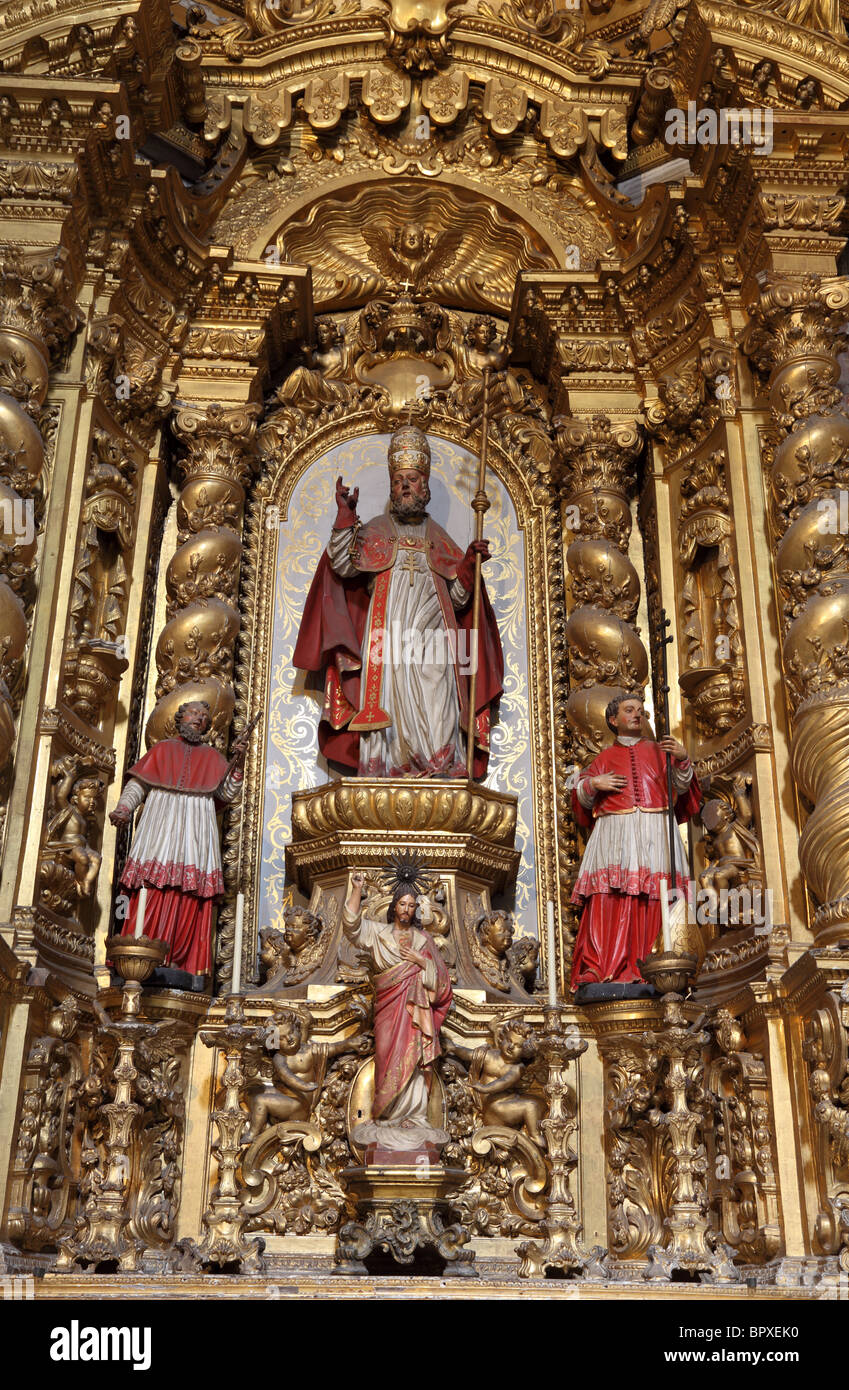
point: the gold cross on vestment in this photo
(410, 565)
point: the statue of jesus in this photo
(387, 626)
(412, 995)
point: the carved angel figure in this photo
(481, 348)
(498, 1076)
(319, 382)
(290, 954)
(75, 801)
(731, 843)
(410, 257)
(298, 1069)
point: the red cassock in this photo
(175, 850)
(332, 642)
(626, 857)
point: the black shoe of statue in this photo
(611, 989)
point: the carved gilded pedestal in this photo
(404, 1213)
(463, 836)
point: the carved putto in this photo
(322, 381)
(290, 954)
(505, 964)
(410, 257)
(69, 865)
(298, 1067)
(731, 845)
(495, 1116)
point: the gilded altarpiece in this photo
(307, 215)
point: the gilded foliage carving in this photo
(743, 1144)
(45, 1165)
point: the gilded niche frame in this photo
(534, 498)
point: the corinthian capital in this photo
(596, 454)
(795, 317)
(219, 442)
(38, 296)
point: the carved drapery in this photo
(796, 327)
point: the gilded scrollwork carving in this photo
(825, 1050)
(746, 1188)
(676, 1055)
(637, 1155)
(131, 1141)
(297, 1103)
(418, 40)
(45, 1165)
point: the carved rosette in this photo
(795, 331)
(37, 315)
(194, 653)
(595, 463)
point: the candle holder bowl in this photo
(135, 957)
(670, 972)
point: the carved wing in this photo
(442, 253)
(378, 239)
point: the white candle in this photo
(664, 917)
(237, 943)
(551, 963)
(140, 911)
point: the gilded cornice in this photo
(479, 47)
(754, 34)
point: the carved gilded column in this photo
(194, 653)
(37, 315)
(606, 657)
(796, 326)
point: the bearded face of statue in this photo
(192, 722)
(409, 494)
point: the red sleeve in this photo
(581, 814)
(689, 802)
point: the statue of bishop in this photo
(387, 627)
